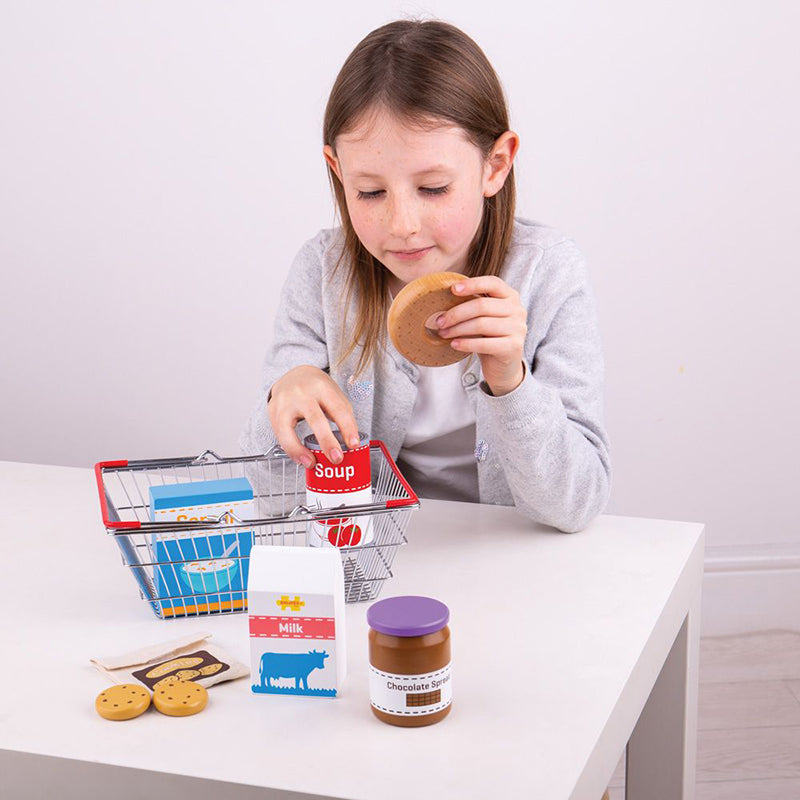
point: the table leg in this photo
(661, 755)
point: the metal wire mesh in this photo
(156, 551)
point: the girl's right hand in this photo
(308, 393)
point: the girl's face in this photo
(414, 190)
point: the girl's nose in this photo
(404, 219)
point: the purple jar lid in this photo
(408, 615)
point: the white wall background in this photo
(160, 165)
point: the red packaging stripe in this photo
(293, 627)
(351, 475)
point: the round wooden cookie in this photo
(177, 698)
(124, 701)
(412, 315)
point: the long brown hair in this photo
(423, 72)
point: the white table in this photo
(565, 648)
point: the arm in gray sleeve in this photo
(298, 338)
(549, 430)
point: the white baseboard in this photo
(751, 588)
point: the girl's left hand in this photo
(493, 326)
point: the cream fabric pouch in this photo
(190, 658)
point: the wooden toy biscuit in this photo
(124, 701)
(177, 698)
(172, 665)
(412, 319)
(187, 674)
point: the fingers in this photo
(489, 346)
(284, 427)
(485, 316)
(313, 396)
(479, 307)
(341, 412)
(494, 324)
(483, 284)
(485, 326)
(328, 443)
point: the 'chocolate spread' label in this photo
(410, 695)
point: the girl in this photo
(420, 159)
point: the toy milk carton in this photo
(296, 607)
(208, 567)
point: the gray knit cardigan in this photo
(542, 448)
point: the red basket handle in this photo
(412, 498)
(98, 473)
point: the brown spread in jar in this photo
(409, 657)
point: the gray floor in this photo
(748, 719)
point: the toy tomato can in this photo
(347, 483)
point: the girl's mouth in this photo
(410, 255)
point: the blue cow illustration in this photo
(290, 665)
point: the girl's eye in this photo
(436, 190)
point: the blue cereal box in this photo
(296, 621)
(200, 572)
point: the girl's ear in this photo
(499, 163)
(333, 162)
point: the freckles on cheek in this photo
(357, 215)
(364, 224)
(454, 230)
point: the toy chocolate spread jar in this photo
(409, 660)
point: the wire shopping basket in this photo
(190, 568)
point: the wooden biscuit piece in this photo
(124, 701)
(187, 674)
(412, 315)
(177, 698)
(172, 665)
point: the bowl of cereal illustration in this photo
(210, 576)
